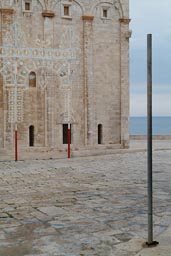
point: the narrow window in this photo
(31, 136)
(100, 134)
(27, 6)
(66, 10)
(104, 13)
(32, 79)
(65, 133)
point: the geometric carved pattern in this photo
(16, 52)
(16, 55)
(7, 70)
(15, 110)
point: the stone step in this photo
(26, 154)
(49, 153)
(100, 150)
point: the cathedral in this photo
(64, 63)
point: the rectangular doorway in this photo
(65, 133)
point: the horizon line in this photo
(152, 116)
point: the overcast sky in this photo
(150, 17)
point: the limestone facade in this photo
(64, 61)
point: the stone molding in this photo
(48, 14)
(6, 10)
(125, 21)
(88, 17)
(128, 34)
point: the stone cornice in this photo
(125, 20)
(49, 14)
(6, 10)
(88, 17)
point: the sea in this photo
(161, 125)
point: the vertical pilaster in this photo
(124, 80)
(1, 95)
(1, 113)
(49, 98)
(88, 78)
(48, 32)
(6, 128)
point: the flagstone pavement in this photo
(89, 206)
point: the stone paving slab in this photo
(164, 247)
(83, 206)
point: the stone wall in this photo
(79, 53)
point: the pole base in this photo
(150, 245)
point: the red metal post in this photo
(16, 145)
(69, 141)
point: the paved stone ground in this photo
(82, 206)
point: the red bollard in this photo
(16, 145)
(69, 141)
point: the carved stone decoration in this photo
(114, 4)
(118, 7)
(47, 4)
(15, 36)
(7, 71)
(67, 61)
(48, 14)
(15, 104)
(6, 3)
(68, 115)
(69, 39)
(128, 34)
(31, 59)
(43, 78)
(125, 21)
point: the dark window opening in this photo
(31, 136)
(65, 133)
(100, 134)
(66, 10)
(104, 13)
(32, 79)
(27, 6)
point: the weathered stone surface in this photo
(63, 62)
(108, 216)
(52, 211)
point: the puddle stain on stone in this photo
(20, 242)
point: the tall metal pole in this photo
(149, 142)
(149, 135)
